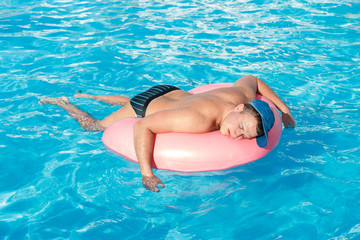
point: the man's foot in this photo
(79, 94)
(55, 101)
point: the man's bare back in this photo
(215, 100)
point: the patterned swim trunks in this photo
(141, 101)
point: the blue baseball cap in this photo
(268, 119)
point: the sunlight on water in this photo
(60, 182)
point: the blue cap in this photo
(268, 119)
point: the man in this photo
(166, 108)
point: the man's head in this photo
(267, 120)
(254, 119)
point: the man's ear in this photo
(240, 107)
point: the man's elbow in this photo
(142, 128)
(139, 127)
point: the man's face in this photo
(239, 125)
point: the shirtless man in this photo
(164, 108)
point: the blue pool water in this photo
(59, 182)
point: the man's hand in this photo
(288, 120)
(151, 183)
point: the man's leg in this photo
(125, 112)
(87, 121)
(112, 100)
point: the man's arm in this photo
(183, 120)
(262, 88)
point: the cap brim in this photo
(262, 141)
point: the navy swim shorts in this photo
(142, 100)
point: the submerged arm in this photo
(166, 121)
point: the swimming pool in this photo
(58, 181)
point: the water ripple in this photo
(60, 182)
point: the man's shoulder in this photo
(235, 94)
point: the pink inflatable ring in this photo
(190, 152)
